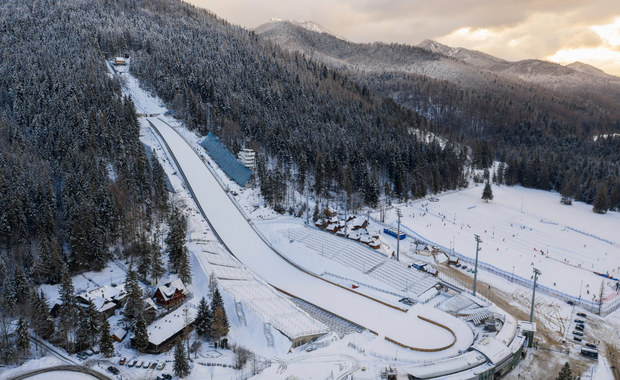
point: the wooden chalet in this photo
(171, 294)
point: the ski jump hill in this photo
(420, 328)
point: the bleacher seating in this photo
(456, 303)
(357, 256)
(333, 322)
(226, 160)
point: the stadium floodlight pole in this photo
(398, 213)
(478, 241)
(536, 274)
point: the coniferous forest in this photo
(77, 190)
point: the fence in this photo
(603, 308)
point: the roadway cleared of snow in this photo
(232, 227)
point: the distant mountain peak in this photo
(305, 24)
(472, 57)
(587, 69)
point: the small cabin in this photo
(119, 335)
(120, 61)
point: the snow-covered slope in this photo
(435, 60)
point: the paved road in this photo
(71, 368)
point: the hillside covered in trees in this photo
(540, 118)
(303, 119)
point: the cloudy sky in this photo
(563, 31)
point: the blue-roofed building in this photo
(226, 160)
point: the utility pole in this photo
(399, 214)
(345, 214)
(478, 241)
(307, 211)
(600, 299)
(536, 274)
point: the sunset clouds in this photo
(559, 30)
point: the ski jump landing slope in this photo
(421, 327)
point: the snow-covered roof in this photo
(106, 292)
(120, 333)
(508, 331)
(150, 303)
(168, 290)
(446, 366)
(493, 349)
(358, 222)
(165, 327)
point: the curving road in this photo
(70, 368)
(241, 239)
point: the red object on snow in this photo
(354, 286)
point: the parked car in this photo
(464, 267)
(81, 355)
(577, 339)
(590, 345)
(579, 327)
(153, 365)
(166, 376)
(95, 350)
(146, 364)
(87, 353)
(578, 333)
(113, 370)
(580, 321)
(90, 352)
(132, 363)
(122, 361)
(583, 315)
(139, 364)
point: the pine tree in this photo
(157, 264)
(143, 250)
(220, 326)
(134, 304)
(141, 335)
(185, 271)
(176, 239)
(83, 336)
(105, 339)
(600, 202)
(487, 193)
(565, 373)
(42, 322)
(204, 318)
(212, 285)
(94, 323)
(23, 337)
(216, 299)
(181, 365)
(68, 308)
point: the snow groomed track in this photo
(445, 333)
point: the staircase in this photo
(240, 314)
(268, 335)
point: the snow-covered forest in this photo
(540, 118)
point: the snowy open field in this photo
(520, 229)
